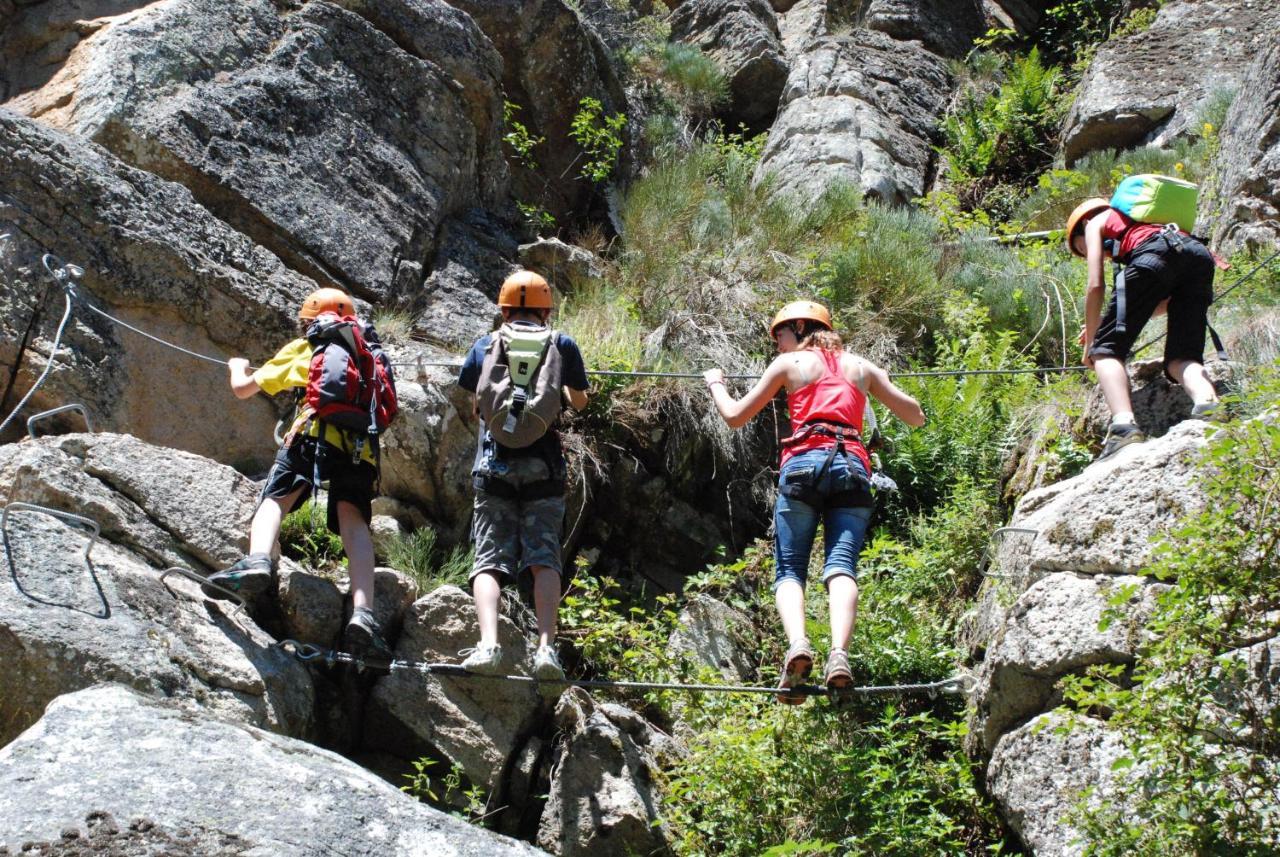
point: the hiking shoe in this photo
(546, 668)
(1119, 435)
(796, 667)
(362, 636)
(837, 676)
(484, 659)
(249, 578)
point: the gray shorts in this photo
(510, 534)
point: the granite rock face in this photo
(86, 773)
(67, 622)
(1153, 86)
(861, 110)
(1248, 163)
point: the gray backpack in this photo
(518, 394)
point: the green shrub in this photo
(305, 537)
(695, 80)
(429, 564)
(600, 138)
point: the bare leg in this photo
(486, 590)
(546, 602)
(358, 544)
(1114, 381)
(1192, 376)
(842, 593)
(265, 528)
(790, 600)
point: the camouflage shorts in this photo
(512, 535)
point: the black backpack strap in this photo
(1121, 301)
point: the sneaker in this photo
(250, 577)
(362, 636)
(837, 676)
(796, 667)
(1119, 435)
(1204, 411)
(546, 665)
(484, 659)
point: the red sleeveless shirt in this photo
(1130, 232)
(829, 398)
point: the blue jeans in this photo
(795, 522)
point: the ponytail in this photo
(823, 340)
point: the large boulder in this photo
(1106, 519)
(67, 622)
(712, 634)
(1152, 87)
(742, 37)
(484, 726)
(1054, 629)
(310, 131)
(1039, 772)
(946, 27)
(87, 775)
(1159, 403)
(1247, 180)
(153, 257)
(860, 109)
(604, 797)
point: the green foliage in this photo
(305, 538)
(429, 564)
(694, 80)
(536, 218)
(600, 138)
(1070, 31)
(467, 801)
(518, 137)
(1200, 776)
(1003, 137)
(971, 420)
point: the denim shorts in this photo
(795, 522)
(512, 535)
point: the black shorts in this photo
(295, 467)
(1185, 278)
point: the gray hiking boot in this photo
(484, 659)
(249, 578)
(1120, 435)
(1205, 411)
(547, 669)
(796, 667)
(362, 636)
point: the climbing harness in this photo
(961, 684)
(43, 415)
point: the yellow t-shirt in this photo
(289, 369)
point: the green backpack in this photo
(1152, 198)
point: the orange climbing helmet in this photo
(524, 290)
(326, 300)
(800, 311)
(1083, 212)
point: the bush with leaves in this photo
(1200, 723)
(305, 537)
(428, 563)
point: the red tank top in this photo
(1130, 232)
(829, 398)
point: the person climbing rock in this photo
(328, 442)
(824, 475)
(519, 374)
(1164, 270)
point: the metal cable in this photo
(48, 367)
(307, 653)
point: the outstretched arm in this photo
(738, 412)
(242, 383)
(901, 405)
(1096, 290)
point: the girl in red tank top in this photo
(823, 476)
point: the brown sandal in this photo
(796, 667)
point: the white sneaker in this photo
(484, 659)
(546, 666)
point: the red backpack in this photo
(350, 384)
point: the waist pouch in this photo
(823, 489)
